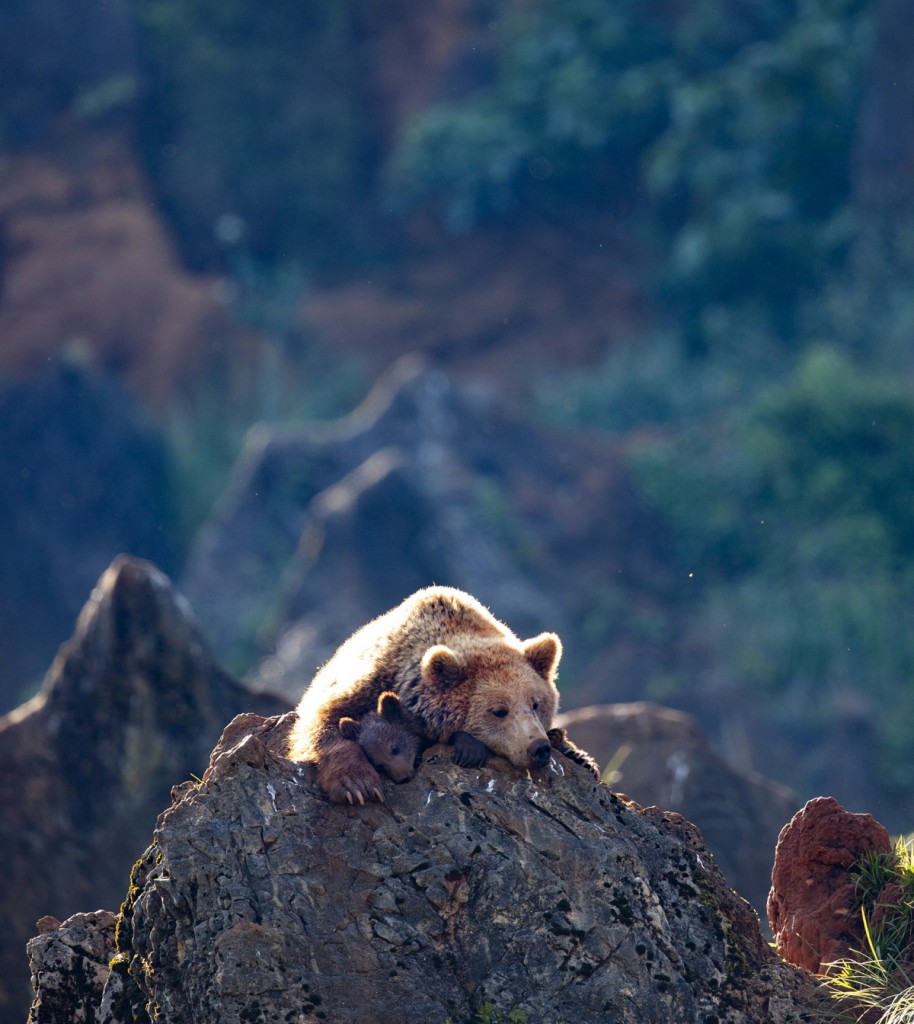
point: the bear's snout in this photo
(539, 753)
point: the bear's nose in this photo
(539, 753)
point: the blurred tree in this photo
(577, 96)
(250, 116)
(756, 167)
(728, 126)
(884, 155)
(793, 517)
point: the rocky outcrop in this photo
(661, 756)
(70, 962)
(324, 528)
(261, 901)
(82, 478)
(811, 908)
(131, 706)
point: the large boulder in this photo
(131, 706)
(812, 907)
(261, 901)
(661, 756)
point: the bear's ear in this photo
(442, 668)
(349, 728)
(543, 653)
(389, 707)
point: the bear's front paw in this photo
(357, 788)
(469, 752)
(346, 776)
(563, 745)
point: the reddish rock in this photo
(811, 906)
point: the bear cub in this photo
(386, 737)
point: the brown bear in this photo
(464, 677)
(387, 738)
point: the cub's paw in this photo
(346, 776)
(469, 752)
(353, 789)
(564, 746)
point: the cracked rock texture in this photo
(261, 901)
(662, 757)
(131, 706)
(70, 963)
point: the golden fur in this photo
(462, 674)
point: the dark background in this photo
(667, 247)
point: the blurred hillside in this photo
(673, 241)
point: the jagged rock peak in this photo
(134, 612)
(131, 706)
(137, 682)
(261, 901)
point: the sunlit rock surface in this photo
(259, 901)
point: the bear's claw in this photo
(346, 776)
(563, 745)
(353, 793)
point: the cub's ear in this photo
(442, 668)
(543, 653)
(389, 707)
(349, 728)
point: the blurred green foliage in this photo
(722, 132)
(650, 382)
(578, 95)
(252, 111)
(725, 127)
(758, 155)
(284, 378)
(793, 519)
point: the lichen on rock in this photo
(69, 964)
